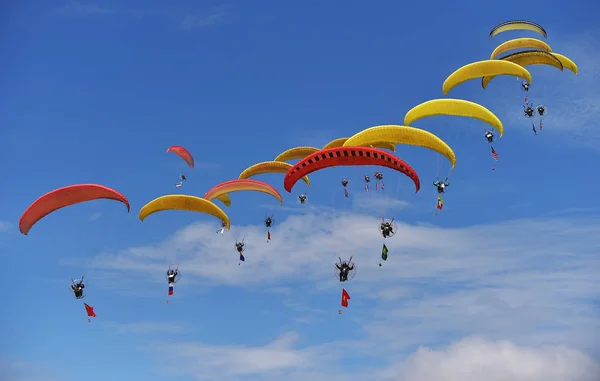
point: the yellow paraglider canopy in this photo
(484, 68)
(340, 143)
(567, 63)
(520, 43)
(335, 143)
(268, 167)
(456, 107)
(402, 135)
(518, 25)
(295, 153)
(186, 203)
(225, 200)
(526, 58)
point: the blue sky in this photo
(501, 284)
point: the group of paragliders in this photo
(365, 148)
(530, 110)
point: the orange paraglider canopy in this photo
(66, 196)
(184, 154)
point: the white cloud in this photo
(228, 362)
(527, 281)
(378, 202)
(424, 251)
(470, 359)
(476, 359)
(4, 226)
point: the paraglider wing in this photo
(184, 154)
(484, 68)
(526, 58)
(335, 143)
(224, 198)
(520, 43)
(268, 167)
(347, 156)
(295, 153)
(340, 143)
(185, 203)
(386, 145)
(518, 25)
(566, 62)
(456, 107)
(242, 185)
(66, 196)
(403, 135)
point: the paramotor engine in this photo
(388, 228)
(337, 269)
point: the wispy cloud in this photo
(229, 362)
(4, 226)
(203, 19)
(378, 202)
(83, 8)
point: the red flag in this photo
(268, 235)
(345, 192)
(90, 311)
(345, 297)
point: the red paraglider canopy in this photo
(66, 196)
(347, 156)
(184, 154)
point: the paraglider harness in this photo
(302, 198)
(239, 246)
(541, 109)
(387, 229)
(222, 229)
(182, 178)
(268, 222)
(172, 275)
(441, 185)
(77, 287)
(489, 135)
(344, 268)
